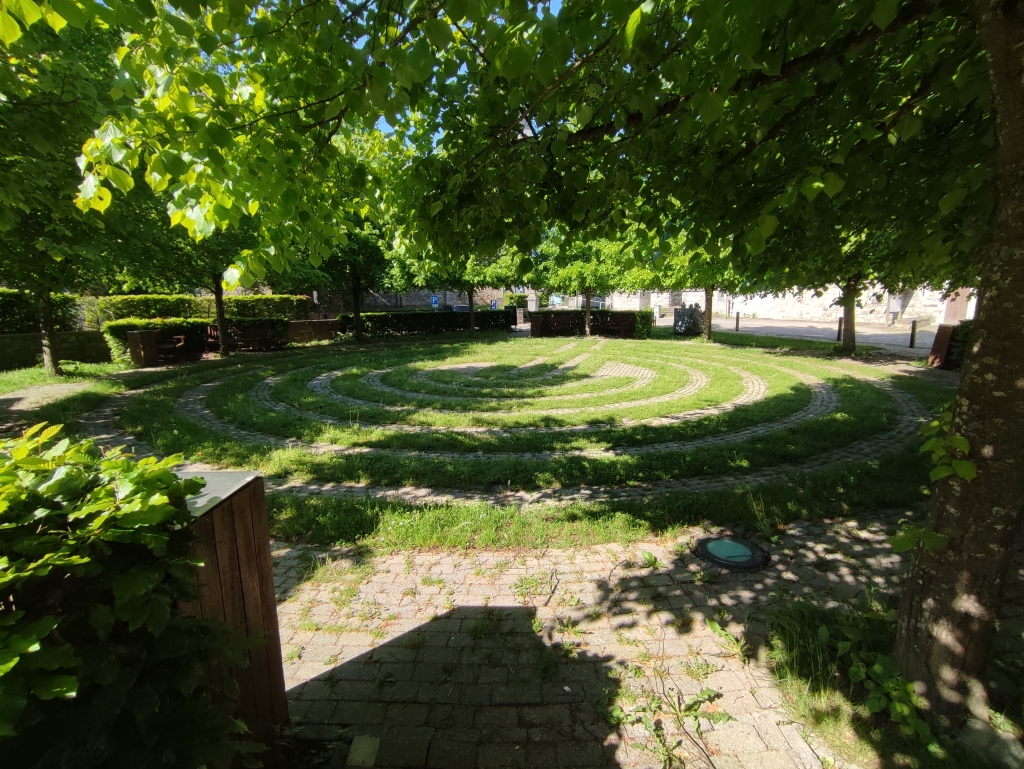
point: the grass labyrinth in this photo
(592, 425)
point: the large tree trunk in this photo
(709, 298)
(357, 305)
(851, 292)
(469, 293)
(949, 607)
(222, 322)
(586, 310)
(45, 307)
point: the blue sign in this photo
(494, 304)
(433, 300)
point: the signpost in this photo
(494, 304)
(433, 301)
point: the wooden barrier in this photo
(938, 357)
(236, 585)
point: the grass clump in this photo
(819, 657)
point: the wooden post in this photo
(839, 333)
(236, 586)
(913, 333)
(737, 321)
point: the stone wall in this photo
(639, 300)
(26, 350)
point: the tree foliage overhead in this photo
(734, 113)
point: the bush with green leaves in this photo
(264, 306)
(19, 314)
(98, 668)
(151, 306)
(402, 323)
(827, 647)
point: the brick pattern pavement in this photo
(486, 659)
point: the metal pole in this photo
(839, 334)
(737, 321)
(913, 333)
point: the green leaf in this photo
(138, 581)
(940, 472)
(439, 33)
(10, 30)
(632, 25)
(811, 187)
(755, 242)
(119, 178)
(711, 107)
(884, 13)
(50, 687)
(952, 199)
(767, 225)
(965, 468)
(932, 540)
(584, 113)
(833, 183)
(905, 540)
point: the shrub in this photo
(19, 314)
(396, 323)
(644, 324)
(151, 306)
(264, 306)
(516, 300)
(193, 329)
(97, 666)
(959, 344)
(188, 306)
(635, 324)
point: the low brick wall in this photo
(302, 331)
(26, 350)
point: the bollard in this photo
(737, 321)
(913, 333)
(839, 334)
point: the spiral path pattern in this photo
(617, 402)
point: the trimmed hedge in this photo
(401, 323)
(193, 329)
(151, 306)
(19, 315)
(99, 666)
(637, 323)
(270, 306)
(188, 306)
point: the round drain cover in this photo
(732, 553)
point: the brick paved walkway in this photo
(488, 659)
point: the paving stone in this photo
(358, 713)
(446, 754)
(405, 747)
(407, 714)
(501, 755)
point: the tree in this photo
(608, 116)
(358, 267)
(579, 268)
(56, 88)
